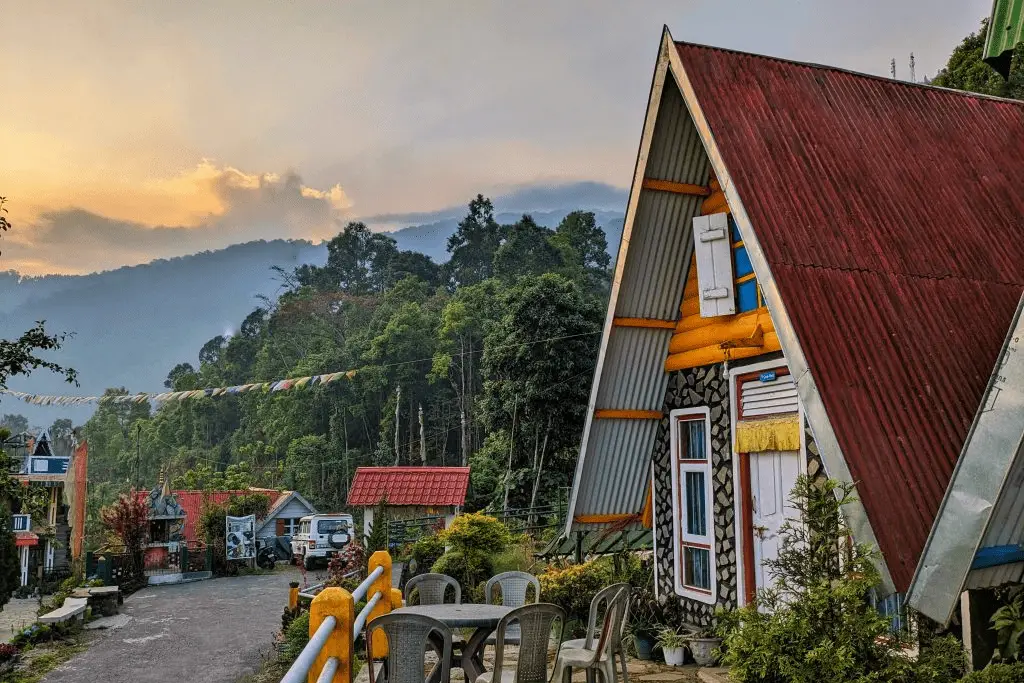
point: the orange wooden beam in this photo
(647, 516)
(676, 188)
(651, 323)
(607, 414)
(604, 519)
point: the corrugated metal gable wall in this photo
(617, 463)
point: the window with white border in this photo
(692, 504)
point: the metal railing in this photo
(334, 628)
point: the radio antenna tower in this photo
(892, 67)
(912, 79)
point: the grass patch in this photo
(42, 659)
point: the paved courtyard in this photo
(212, 631)
(16, 615)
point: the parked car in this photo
(320, 538)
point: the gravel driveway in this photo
(212, 631)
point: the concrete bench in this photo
(103, 599)
(73, 608)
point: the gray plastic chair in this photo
(432, 588)
(605, 629)
(409, 637)
(514, 587)
(534, 624)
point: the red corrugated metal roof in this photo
(892, 218)
(192, 503)
(409, 486)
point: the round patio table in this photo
(484, 618)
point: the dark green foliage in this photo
(966, 71)
(997, 673)
(378, 538)
(426, 551)
(417, 336)
(296, 635)
(1008, 623)
(815, 622)
(10, 566)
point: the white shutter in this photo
(712, 245)
(770, 397)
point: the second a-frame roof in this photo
(884, 221)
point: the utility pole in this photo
(511, 443)
(892, 67)
(423, 440)
(912, 79)
(138, 455)
(398, 405)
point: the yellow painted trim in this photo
(381, 558)
(737, 245)
(647, 516)
(771, 434)
(690, 307)
(610, 414)
(333, 602)
(650, 323)
(715, 203)
(604, 519)
(674, 187)
(746, 278)
(706, 355)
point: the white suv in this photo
(320, 537)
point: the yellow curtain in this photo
(774, 434)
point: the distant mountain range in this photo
(132, 325)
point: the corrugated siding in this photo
(293, 510)
(1005, 31)
(617, 463)
(890, 215)
(1005, 528)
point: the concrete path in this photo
(212, 631)
(16, 615)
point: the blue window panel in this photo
(697, 567)
(696, 505)
(733, 230)
(741, 262)
(746, 296)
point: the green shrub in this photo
(426, 551)
(815, 623)
(517, 558)
(474, 540)
(573, 586)
(295, 637)
(998, 673)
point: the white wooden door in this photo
(772, 477)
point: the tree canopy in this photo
(965, 69)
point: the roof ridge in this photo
(851, 72)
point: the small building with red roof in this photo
(409, 492)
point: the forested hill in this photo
(133, 324)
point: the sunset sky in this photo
(142, 129)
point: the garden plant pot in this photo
(644, 646)
(703, 650)
(674, 655)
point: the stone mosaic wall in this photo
(694, 388)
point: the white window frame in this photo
(292, 525)
(681, 536)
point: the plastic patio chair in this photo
(514, 588)
(598, 651)
(534, 624)
(408, 641)
(432, 588)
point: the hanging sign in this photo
(241, 537)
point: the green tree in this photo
(473, 245)
(16, 424)
(528, 250)
(584, 250)
(181, 377)
(966, 71)
(358, 260)
(538, 358)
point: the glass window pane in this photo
(692, 440)
(741, 262)
(746, 296)
(696, 505)
(697, 567)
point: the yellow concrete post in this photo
(337, 603)
(383, 584)
(293, 595)
(396, 598)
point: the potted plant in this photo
(673, 645)
(643, 626)
(704, 647)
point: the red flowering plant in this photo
(351, 559)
